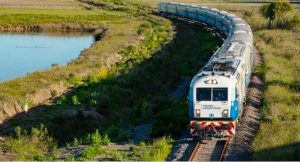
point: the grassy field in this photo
(38, 4)
(9, 16)
(279, 135)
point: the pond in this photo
(22, 53)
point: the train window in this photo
(203, 94)
(220, 94)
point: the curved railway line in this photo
(218, 91)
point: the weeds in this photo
(36, 145)
(95, 142)
(277, 138)
(158, 151)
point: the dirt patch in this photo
(240, 146)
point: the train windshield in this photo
(220, 94)
(203, 94)
(212, 94)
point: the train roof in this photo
(227, 59)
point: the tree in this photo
(275, 9)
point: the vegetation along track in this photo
(209, 150)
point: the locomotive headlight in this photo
(225, 113)
(198, 113)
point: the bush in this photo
(53, 93)
(38, 145)
(175, 115)
(74, 80)
(75, 142)
(95, 142)
(90, 152)
(275, 9)
(96, 139)
(158, 151)
(75, 100)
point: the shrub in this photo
(69, 157)
(38, 145)
(90, 152)
(275, 9)
(175, 115)
(75, 142)
(106, 140)
(158, 151)
(96, 139)
(53, 93)
(75, 100)
(74, 80)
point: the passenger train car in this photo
(218, 91)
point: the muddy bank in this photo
(49, 27)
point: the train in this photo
(217, 93)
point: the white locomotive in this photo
(218, 91)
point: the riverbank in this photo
(42, 85)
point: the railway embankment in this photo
(240, 148)
(278, 43)
(270, 107)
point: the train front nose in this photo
(214, 129)
(211, 102)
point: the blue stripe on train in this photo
(234, 109)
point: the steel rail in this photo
(205, 151)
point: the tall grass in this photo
(278, 137)
(36, 145)
(158, 151)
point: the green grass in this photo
(54, 12)
(279, 136)
(10, 16)
(158, 151)
(36, 145)
(278, 41)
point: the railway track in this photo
(209, 150)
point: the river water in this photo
(22, 53)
